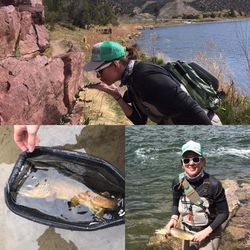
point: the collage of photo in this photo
(125, 125)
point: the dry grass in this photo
(99, 108)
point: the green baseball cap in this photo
(106, 51)
(192, 146)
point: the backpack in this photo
(200, 84)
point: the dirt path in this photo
(56, 47)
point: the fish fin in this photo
(74, 201)
(98, 212)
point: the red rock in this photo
(9, 30)
(42, 37)
(73, 62)
(34, 90)
(28, 38)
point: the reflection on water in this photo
(50, 240)
(20, 233)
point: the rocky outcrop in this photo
(38, 90)
(9, 30)
(22, 28)
(176, 8)
(34, 89)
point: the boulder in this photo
(22, 2)
(22, 28)
(28, 38)
(9, 30)
(33, 91)
(73, 62)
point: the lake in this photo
(153, 160)
(220, 41)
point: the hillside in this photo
(170, 8)
(176, 8)
(217, 5)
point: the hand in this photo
(111, 90)
(25, 137)
(171, 223)
(200, 236)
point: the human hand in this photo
(172, 223)
(200, 236)
(109, 89)
(25, 137)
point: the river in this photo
(219, 41)
(153, 160)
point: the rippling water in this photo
(184, 42)
(153, 160)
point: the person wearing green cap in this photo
(199, 201)
(151, 91)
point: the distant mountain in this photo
(217, 5)
(170, 8)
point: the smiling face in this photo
(193, 168)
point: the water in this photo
(19, 233)
(153, 160)
(220, 41)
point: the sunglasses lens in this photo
(196, 159)
(185, 161)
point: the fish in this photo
(176, 232)
(72, 191)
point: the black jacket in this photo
(153, 84)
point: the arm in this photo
(164, 93)
(175, 213)
(131, 112)
(221, 209)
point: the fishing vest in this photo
(193, 208)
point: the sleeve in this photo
(220, 204)
(137, 117)
(169, 99)
(176, 197)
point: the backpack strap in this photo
(189, 191)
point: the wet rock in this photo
(237, 233)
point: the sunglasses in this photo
(102, 67)
(195, 160)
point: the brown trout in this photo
(72, 191)
(176, 232)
